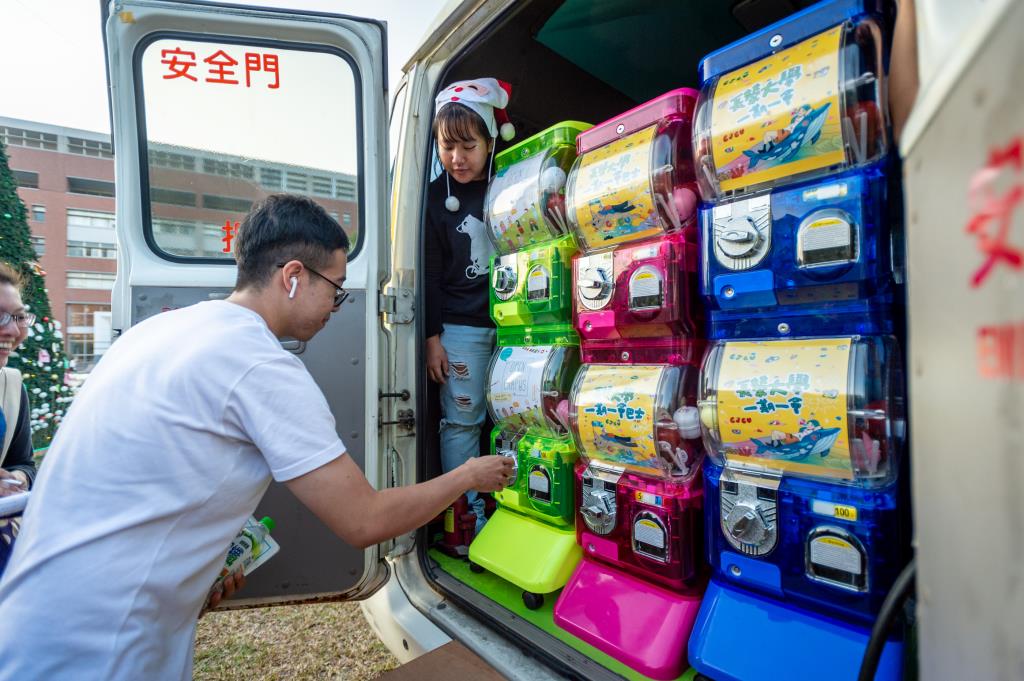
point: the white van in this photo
(214, 106)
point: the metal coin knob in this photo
(739, 237)
(747, 525)
(599, 513)
(511, 454)
(504, 279)
(594, 284)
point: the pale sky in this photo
(51, 54)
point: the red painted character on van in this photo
(267, 63)
(219, 62)
(229, 233)
(178, 63)
(994, 209)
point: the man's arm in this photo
(340, 495)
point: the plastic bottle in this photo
(251, 547)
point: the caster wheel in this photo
(532, 600)
(473, 567)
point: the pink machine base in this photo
(642, 625)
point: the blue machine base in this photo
(740, 636)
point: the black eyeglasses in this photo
(22, 319)
(340, 294)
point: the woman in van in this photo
(459, 331)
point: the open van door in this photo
(215, 107)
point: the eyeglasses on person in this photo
(22, 319)
(340, 294)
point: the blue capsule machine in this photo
(801, 396)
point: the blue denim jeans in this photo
(463, 400)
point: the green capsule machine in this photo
(530, 539)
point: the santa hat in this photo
(487, 97)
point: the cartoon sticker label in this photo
(515, 219)
(779, 116)
(782, 405)
(612, 194)
(515, 385)
(615, 415)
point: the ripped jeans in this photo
(463, 399)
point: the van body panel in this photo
(964, 178)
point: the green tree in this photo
(41, 359)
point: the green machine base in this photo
(508, 596)
(537, 557)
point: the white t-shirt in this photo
(165, 451)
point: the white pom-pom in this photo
(507, 131)
(552, 179)
(452, 204)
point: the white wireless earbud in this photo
(295, 284)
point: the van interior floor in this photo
(509, 596)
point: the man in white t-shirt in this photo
(168, 448)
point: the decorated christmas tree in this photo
(40, 359)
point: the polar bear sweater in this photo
(457, 252)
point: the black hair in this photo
(285, 227)
(458, 123)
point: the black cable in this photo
(899, 592)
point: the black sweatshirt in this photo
(19, 455)
(457, 254)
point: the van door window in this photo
(227, 123)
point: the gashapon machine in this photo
(632, 201)
(530, 540)
(801, 391)
(531, 288)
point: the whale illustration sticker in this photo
(782, 406)
(779, 116)
(612, 195)
(615, 414)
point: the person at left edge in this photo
(18, 469)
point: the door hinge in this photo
(397, 305)
(406, 420)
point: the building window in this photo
(91, 234)
(296, 182)
(18, 137)
(86, 249)
(228, 169)
(87, 333)
(26, 179)
(80, 316)
(100, 281)
(83, 185)
(270, 178)
(168, 226)
(345, 188)
(84, 147)
(168, 159)
(38, 213)
(346, 219)
(322, 186)
(172, 197)
(226, 203)
(38, 245)
(91, 219)
(81, 347)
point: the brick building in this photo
(66, 180)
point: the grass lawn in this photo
(317, 641)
